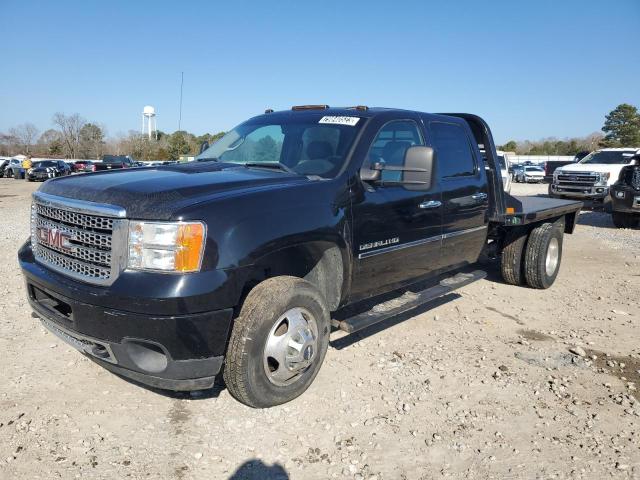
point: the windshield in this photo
(312, 144)
(45, 164)
(618, 157)
(534, 169)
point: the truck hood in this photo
(158, 193)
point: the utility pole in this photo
(181, 85)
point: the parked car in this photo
(81, 166)
(530, 174)
(592, 177)
(8, 168)
(165, 275)
(113, 162)
(625, 196)
(516, 170)
(3, 164)
(46, 169)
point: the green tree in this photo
(622, 127)
(91, 141)
(510, 146)
(266, 150)
(178, 144)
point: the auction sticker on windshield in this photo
(351, 121)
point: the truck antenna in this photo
(181, 85)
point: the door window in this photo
(453, 150)
(391, 144)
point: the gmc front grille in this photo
(83, 240)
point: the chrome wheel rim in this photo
(291, 346)
(553, 254)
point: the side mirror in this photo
(418, 168)
(371, 174)
(203, 147)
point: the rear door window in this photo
(453, 150)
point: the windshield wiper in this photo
(272, 165)
(211, 159)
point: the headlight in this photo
(165, 246)
(604, 178)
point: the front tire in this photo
(543, 255)
(278, 342)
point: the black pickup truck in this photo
(243, 260)
(114, 162)
(625, 196)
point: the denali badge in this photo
(52, 237)
(380, 243)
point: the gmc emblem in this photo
(52, 237)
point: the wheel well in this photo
(320, 263)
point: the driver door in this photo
(397, 232)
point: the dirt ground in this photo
(480, 384)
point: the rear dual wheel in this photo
(543, 255)
(278, 342)
(533, 257)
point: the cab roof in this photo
(355, 111)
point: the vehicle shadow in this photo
(257, 470)
(213, 392)
(595, 218)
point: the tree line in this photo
(75, 137)
(621, 129)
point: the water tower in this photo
(149, 121)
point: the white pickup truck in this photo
(591, 178)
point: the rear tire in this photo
(625, 220)
(511, 261)
(262, 368)
(543, 255)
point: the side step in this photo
(406, 302)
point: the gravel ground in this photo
(492, 382)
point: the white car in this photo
(530, 174)
(504, 171)
(591, 177)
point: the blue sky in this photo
(532, 69)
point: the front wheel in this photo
(278, 342)
(543, 255)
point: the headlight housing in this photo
(604, 178)
(166, 246)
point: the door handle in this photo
(430, 204)
(479, 196)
